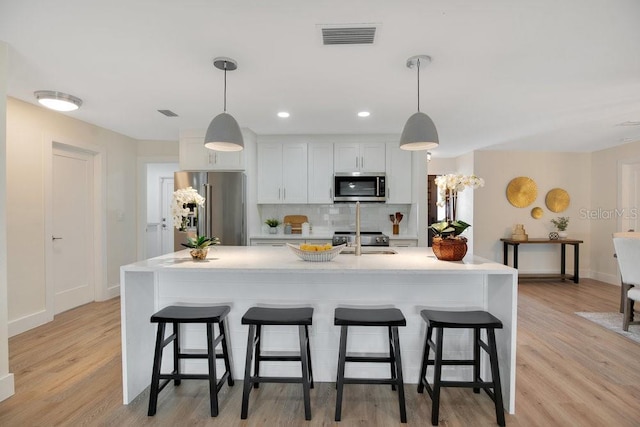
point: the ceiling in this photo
(506, 74)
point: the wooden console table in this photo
(563, 252)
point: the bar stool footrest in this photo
(390, 381)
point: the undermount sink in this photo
(366, 251)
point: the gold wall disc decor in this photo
(537, 212)
(557, 200)
(522, 191)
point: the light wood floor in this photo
(570, 372)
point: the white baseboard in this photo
(113, 291)
(30, 321)
(7, 387)
(612, 279)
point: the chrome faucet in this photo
(358, 250)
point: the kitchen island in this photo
(411, 280)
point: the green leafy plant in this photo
(449, 229)
(200, 242)
(561, 223)
(272, 222)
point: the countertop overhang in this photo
(278, 259)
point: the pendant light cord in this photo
(225, 86)
(418, 84)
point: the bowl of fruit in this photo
(316, 253)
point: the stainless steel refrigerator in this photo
(224, 211)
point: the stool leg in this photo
(476, 358)
(437, 375)
(495, 375)
(342, 354)
(213, 381)
(226, 350)
(256, 369)
(305, 371)
(155, 375)
(306, 331)
(425, 360)
(247, 372)
(398, 365)
(392, 362)
(176, 352)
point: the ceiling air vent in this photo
(168, 113)
(348, 34)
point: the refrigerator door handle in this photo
(208, 206)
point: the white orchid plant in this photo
(185, 200)
(448, 188)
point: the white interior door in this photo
(72, 226)
(166, 197)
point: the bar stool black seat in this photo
(389, 317)
(256, 317)
(476, 320)
(176, 315)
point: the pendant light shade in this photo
(419, 132)
(223, 133)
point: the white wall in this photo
(6, 378)
(494, 216)
(29, 129)
(605, 183)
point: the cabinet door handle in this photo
(284, 194)
(362, 162)
(388, 193)
(356, 162)
(56, 238)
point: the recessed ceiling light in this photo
(57, 100)
(283, 114)
(364, 114)
(630, 123)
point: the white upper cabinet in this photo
(320, 173)
(282, 172)
(359, 157)
(398, 174)
(195, 156)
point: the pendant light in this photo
(419, 132)
(223, 133)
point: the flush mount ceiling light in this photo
(223, 133)
(283, 114)
(419, 132)
(57, 100)
(364, 114)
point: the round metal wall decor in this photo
(537, 212)
(522, 191)
(557, 200)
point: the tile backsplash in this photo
(342, 216)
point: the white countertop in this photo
(257, 259)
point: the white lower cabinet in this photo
(398, 243)
(257, 241)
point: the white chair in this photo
(627, 247)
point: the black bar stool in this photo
(475, 320)
(256, 317)
(183, 314)
(389, 317)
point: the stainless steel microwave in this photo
(359, 187)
